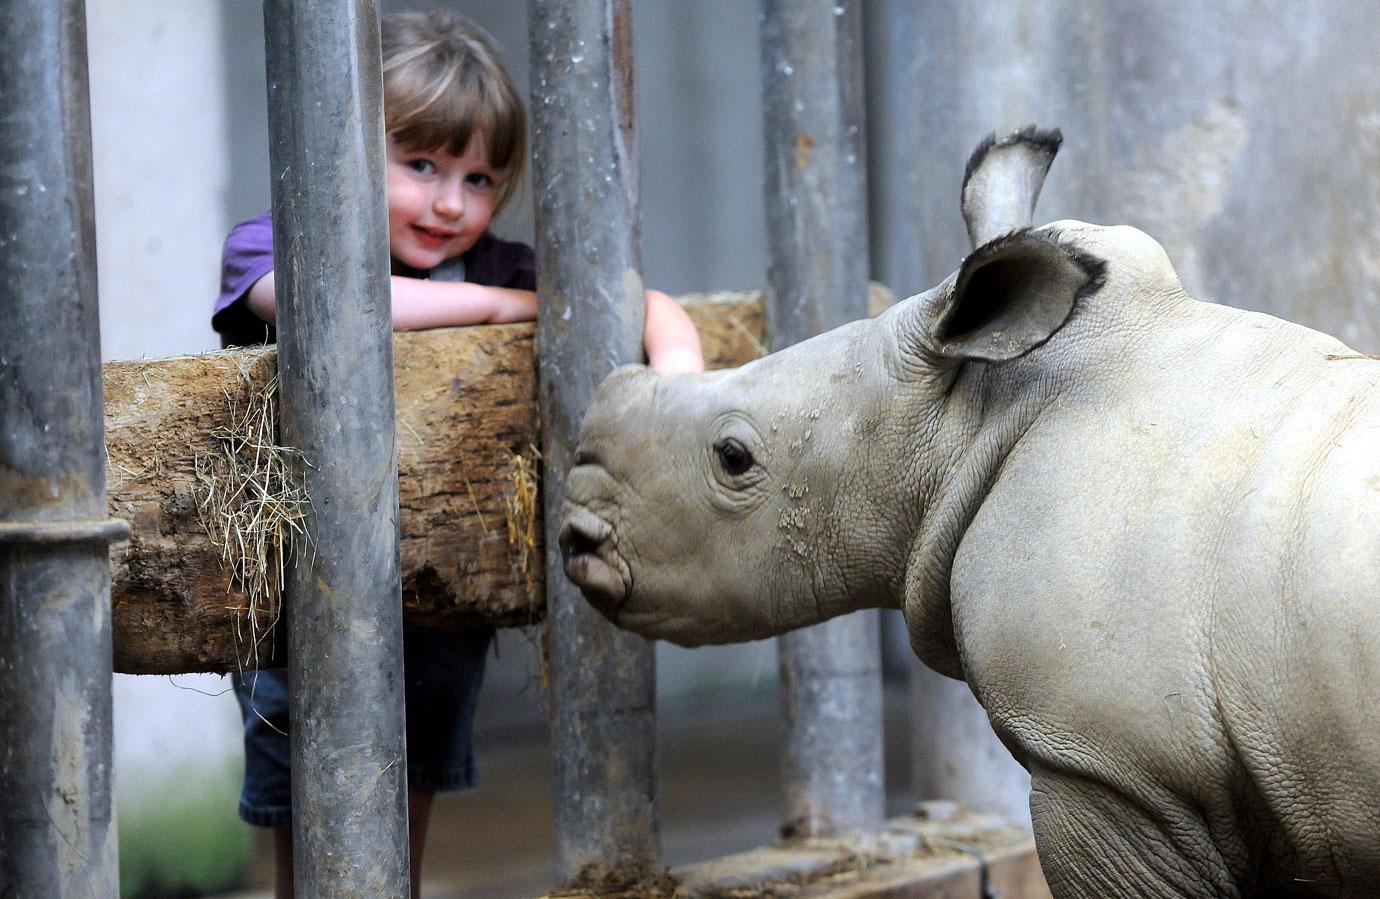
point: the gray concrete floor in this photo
(719, 793)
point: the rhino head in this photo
(739, 504)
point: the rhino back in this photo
(1176, 569)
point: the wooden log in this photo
(467, 423)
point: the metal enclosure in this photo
(57, 835)
(584, 174)
(335, 364)
(816, 196)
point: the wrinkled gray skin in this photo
(1148, 538)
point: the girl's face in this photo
(438, 204)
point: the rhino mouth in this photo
(591, 561)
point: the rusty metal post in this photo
(335, 362)
(603, 681)
(56, 832)
(817, 232)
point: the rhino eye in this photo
(733, 456)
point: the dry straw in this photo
(520, 508)
(520, 511)
(253, 503)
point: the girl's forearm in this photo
(673, 344)
(419, 304)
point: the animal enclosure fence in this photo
(56, 833)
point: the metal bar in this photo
(335, 364)
(603, 681)
(56, 833)
(817, 235)
(895, 142)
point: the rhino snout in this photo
(591, 559)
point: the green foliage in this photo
(186, 841)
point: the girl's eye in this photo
(479, 180)
(733, 456)
(421, 166)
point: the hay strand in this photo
(520, 508)
(252, 501)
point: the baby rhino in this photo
(1144, 529)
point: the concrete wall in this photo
(1244, 135)
(160, 172)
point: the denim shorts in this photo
(441, 674)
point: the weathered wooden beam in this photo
(467, 425)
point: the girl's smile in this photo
(439, 204)
(434, 238)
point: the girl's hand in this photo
(673, 344)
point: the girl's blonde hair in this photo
(442, 82)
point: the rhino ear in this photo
(1003, 181)
(1010, 295)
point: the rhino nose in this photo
(582, 532)
(591, 559)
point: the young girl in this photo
(456, 146)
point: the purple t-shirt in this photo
(248, 256)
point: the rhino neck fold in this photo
(982, 423)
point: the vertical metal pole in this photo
(896, 86)
(603, 681)
(56, 833)
(335, 362)
(817, 233)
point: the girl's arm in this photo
(673, 344)
(419, 304)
